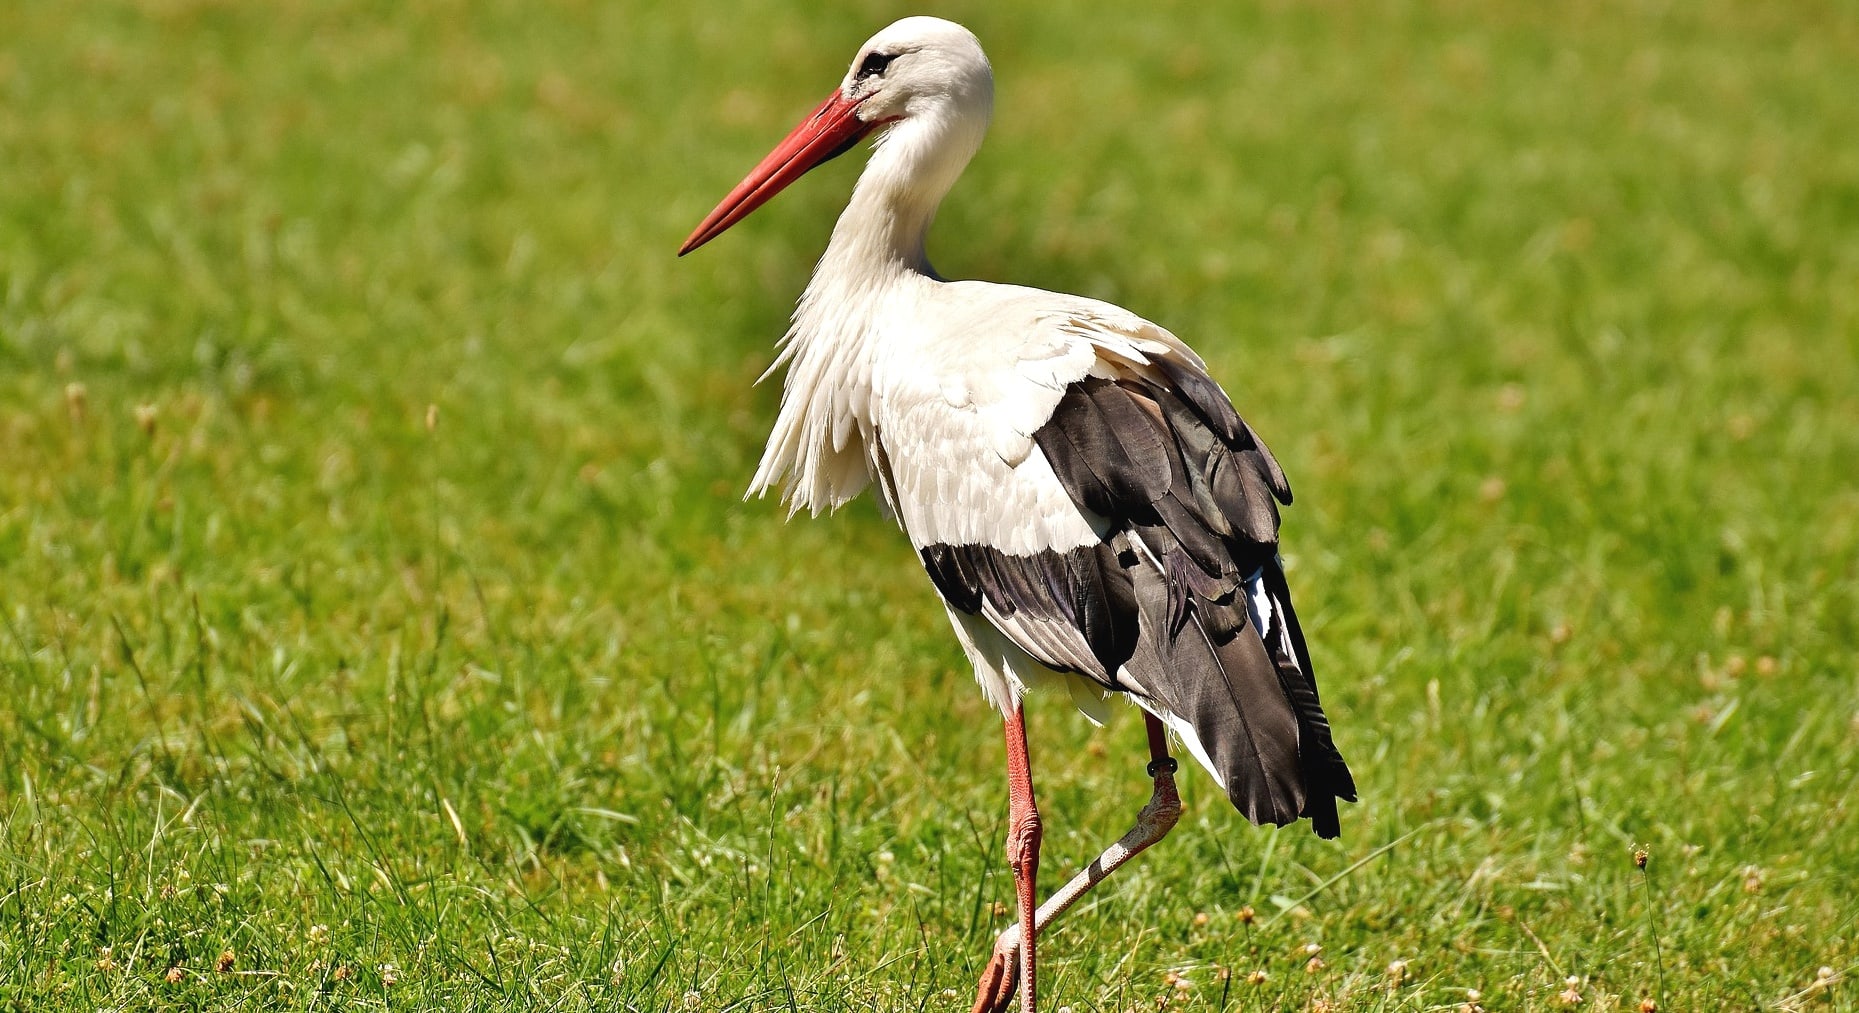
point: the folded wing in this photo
(1130, 538)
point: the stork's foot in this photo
(999, 981)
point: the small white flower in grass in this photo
(390, 975)
(693, 999)
(1571, 995)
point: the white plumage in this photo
(1093, 512)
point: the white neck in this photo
(912, 167)
(818, 447)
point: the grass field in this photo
(381, 626)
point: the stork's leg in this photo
(1023, 834)
(1152, 824)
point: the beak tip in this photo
(831, 129)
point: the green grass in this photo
(1550, 311)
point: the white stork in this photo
(1095, 515)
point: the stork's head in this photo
(918, 69)
(919, 66)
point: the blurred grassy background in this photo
(380, 624)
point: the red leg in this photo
(1155, 821)
(1023, 834)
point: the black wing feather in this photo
(1085, 590)
(1183, 480)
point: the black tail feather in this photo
(1326, 775)
(1228, 695)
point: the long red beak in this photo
(828, 132)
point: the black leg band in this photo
(1165, 765)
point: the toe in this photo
(995, 993)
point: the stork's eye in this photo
(874, 64)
